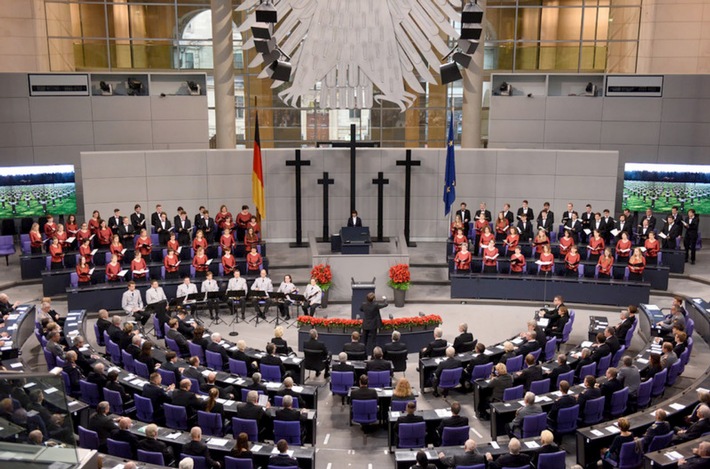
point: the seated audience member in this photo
(422, 461)
(282, 458)
(659, 427)
(195, 447)
(514, 458)
(354, 347)
(242, 448)
(547, 445)
(697, 429)
(529, 408)
(562, 402)
(470, 457)
(701, 459)
(151, 443)
(624, 436)
(463, 338)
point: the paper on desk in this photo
(276, 451)
(229, 403)
(642, 360)
(388, 392)
(12, 317)
(517, 341)
(612, 429)
(50, 390)
(256, 448)
(557, 393)
(585, 344)
(218, 441)
(230, 380)
(702, 390)
(16, 365)
(597, 433)
(298, 389)
(206, 373)
(395, 414)
(173, 436)
(297, 361)
(487, 352)
(677, 406)
(495, 445)
(119, 466)
(674, 455)
(531, 444)
(443, 413)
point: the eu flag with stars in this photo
(450, 178)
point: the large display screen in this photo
(662, 186)
(34, 191)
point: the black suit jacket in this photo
(187, 399)
(156, 446)
(448, 364)
(103, 425)
(394, 347)
(103, 325)
(313, 344)
(562, 402)
(528, 347)
(214, 347)
(556, 372)
(198, 448)
(526, 232)
(580, 364)
(658, 428)
(466, 459)
(127, 437)
(601, 351)
(453, 421)
(691, 231)
(358, 221)
(587, 395)
(287, 415)
(138, 221)
(273, 360)
(251, 411)
(434, 344)
(372, 319)
(528, 375)
(354, 347)
(530, 214)
(194, 373)
(157, 396)
(378, 365)
(624, 328)
(363, 394)
(283, 460)
(613, 343)
(462, 339)
(486, 213)
(510, 460)
(342, 367)
(608, 389)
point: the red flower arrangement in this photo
(399, 277)
(323, 276)
(431, 320)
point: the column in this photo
(473, 94)
(223, 50)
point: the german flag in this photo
(257, 175)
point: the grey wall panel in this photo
(573, 146)
(689, 155)
(516, 107)
(14, 85)
(115, 190)
(572, 132)
(686, 110)
(632, 109)
(516, 145)
(16, 156)
(177, 187)
(95, 165)
(228, 162)
(178, 107)
(124, 147)
(15, 135)
(579, 109)
(683, 134)
(521, 186)
(527, 162)
(182, 146)
(180, 131)
(471, 161)
(635, 133)
(584, 187)
(60, 109)
(634, 153)
(62, 133)
(517, 131)
(122, 132)
(120, 108)
(14, 110)
(223, 187)
(172, 163)
(686, 86)
(591, 163)
(66, 155)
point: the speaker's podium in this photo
(355, 240)
(360, 292)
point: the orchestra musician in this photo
(262, 283)
(287, 287)
(313, 295)
(237, 283)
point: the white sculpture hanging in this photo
(352, 46)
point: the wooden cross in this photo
(408, 162)
(298, 162)
(380, 181)
(325, 181)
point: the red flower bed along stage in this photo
(417, 322)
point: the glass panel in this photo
(529, 24)
(498, 56)
(596, 24)
(560, 24)
(62, 55)
(593, 56)
(559, 56)
(527, 56)
(500, 24)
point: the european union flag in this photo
(450, 178)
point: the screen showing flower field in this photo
(662, 186)
(34, 191)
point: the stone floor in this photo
(340, 445)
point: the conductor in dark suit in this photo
(372, 320)
(354, 220)
(691, 235)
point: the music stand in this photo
(215, 296)
(297, 300)
(256, 295)
(234, 297)
(276, 298)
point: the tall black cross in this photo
(325, 181)
(380, 181)
(298, 162)
(408, 162)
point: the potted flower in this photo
(324, 279)
(399, 280)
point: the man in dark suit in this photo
(450, 363)
(623, 226)
(701, 459)
(354, 348)
(123, 433)
(585, 358)
(282, 459)
(194, 371)
(155, 216)
(372, 321)
(609, 224)
(697, 429)
(587, 219)
(96, 376)
(354, 220)
(102, 424)
(660, 427)
(195, 447)
(454, 421)
(103, 323)
(272, 359)
(408, 417)
(84, 363)
(600, 348)
(479, 358)
(377, 363)
(174, 334)
(514, 458)
(157, 395)
(507, 214)
(548, 312)
(288, 414)
(525, 229)
(163, 228)
(690, 240)
(137, 219)
(217, 346)
(342, 364)
(550, 213)
(532, 373)
(184, 327)
(527, 211)
(206, 224)
(465, 215)
(251, 410)
(314, 344)
(611, 385)
(134, 348)
(591, 391)
(438, 344)
(470, 457)
(625, 324)
(562, 402)
(545, 222)
(395, 346)
(561, 368)
(183, 397)
(611, 340)
(363, 393)
(171, 364)
(530, 345)
(574, 226)
(114, 330)
(115, 221)
(183, 228)
(151, 443)
(211, 382)
(672, 230)
(464, 342)
(482, 209)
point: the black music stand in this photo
(275, 298)
(298, 300)
(234, 297)
(255, 296)
(217, 297)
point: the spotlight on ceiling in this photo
(280, 70)
(468, 47)
(261, 31)
(194, 88)
(505, 89)
(266, 13)
(135, 87)
(471, 31)
(462, 59)
(472, 13)
(265, 46)
(106, 88)
(449, 73)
